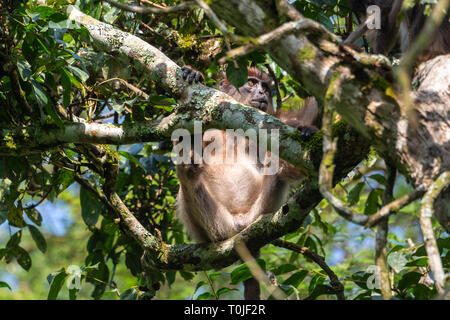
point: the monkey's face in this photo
(257, 93)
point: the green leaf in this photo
(3, 252)
(15, 217)
(422, 292)
(397, 261)
(64, 178)
(284, 268)
(421, 262)
(73, 294)
(67, 86)
(99, 277)
(34, 216)
(240, 273)
(443, 243)
(199, 285)
(38, 238)
(296, 278)
(90, 207)
(23, 258)
(318, 279)
(39, 93)
(396, 248)
(420, 252)
(5, 285)
(372, 202)
(3, 215)
(14, 241)
(57, 281)
(44, 11)
(132, 159)
(319, 290)
(205, 295)
(170, 276)
(222, 291)
(360, 279)
(24, 70)
(130, 294)
(214, 275)
(409, 280)
(378, 178)
(353, 195)
(80, 74)
(237, 77)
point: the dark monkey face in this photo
(257, 93)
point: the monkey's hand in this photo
(191, 75)
(306, 132)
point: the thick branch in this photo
(426, 212)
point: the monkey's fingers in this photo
(191, 75)
(199, 77)
(306, 132)
(186, 71)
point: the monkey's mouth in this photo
(260, 104)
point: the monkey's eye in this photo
(265, 87)
(251, 82)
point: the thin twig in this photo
(211, 285)
(157, 5)
(290, 95)
(277, 85)
(128, 85)
(381, 236)
(256, 270)
(360, 31)
(184, 6)
(334, 281)
(266, 39)
(394, 206)
(217, 22)
(40, 201)
(426, 212)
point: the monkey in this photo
(384, 39)
(217, 201)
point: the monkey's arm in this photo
(305, 120)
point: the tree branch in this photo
(381, 236)
(334, 281)
(184, 6)
(426, 212)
